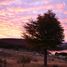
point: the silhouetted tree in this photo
(44, 33)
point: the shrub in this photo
(1, 62)
(55, 66)
(35, 60)
(24, 60)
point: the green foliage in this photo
(44, 33)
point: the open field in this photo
(12, 57)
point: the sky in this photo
(14, 14)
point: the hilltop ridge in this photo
(19, 43)
(12, 43)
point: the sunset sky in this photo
(15, 13)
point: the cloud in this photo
(5, 2)
(65, 33)
(43, 7)
(64, 20)
(59, 6)
(65, 12)
(9, 31)
(14, 13)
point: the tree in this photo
(44, 33)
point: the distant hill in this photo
(64, 46)
(12, 43)
(18, 43)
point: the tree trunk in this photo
(23, 64)
(45, 57)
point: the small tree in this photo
(5, 63)
(44, 33)
(24, 60)
(1, 62)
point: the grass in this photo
(37, 61)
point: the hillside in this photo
(64, 46)
(18, 43)
(12, 43)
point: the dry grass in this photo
(38, 61)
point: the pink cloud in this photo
(46, 1)
(8, 30)
(5, 0)
(58, 7)
(65, 12)
(64, 20)
(10, 18)
(65, 32)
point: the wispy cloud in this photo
(14, 14)
(65, 12)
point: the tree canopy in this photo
(45, 32)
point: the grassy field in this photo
(10, 58)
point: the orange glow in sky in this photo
(15, 13)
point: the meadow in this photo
(13, 58)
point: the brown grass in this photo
(12, 61)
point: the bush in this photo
(55, 66)
(1, 62)
(35, 60)
(24, 60)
